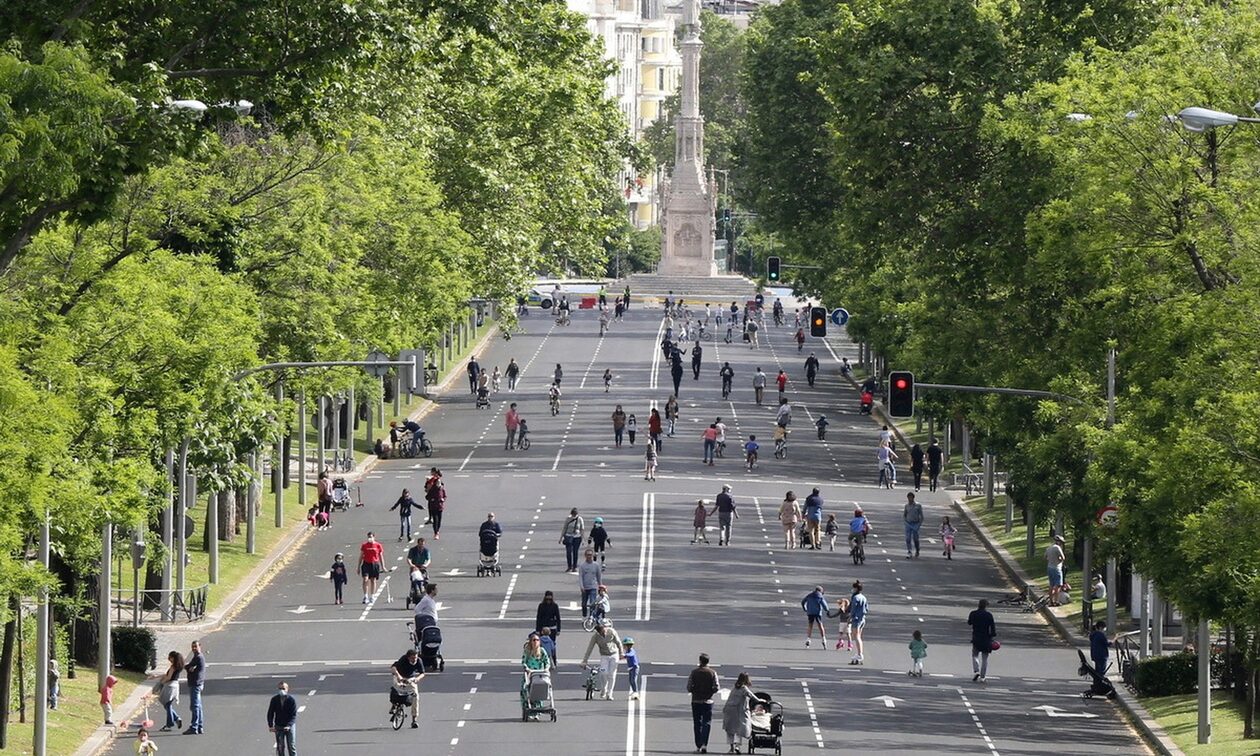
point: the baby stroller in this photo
(488, 555)
(538, 695)
(767, 724)
(340, 495)
(483, 397)
(1099, 684)
(431, 649)
(418, 579)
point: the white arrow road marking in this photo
(454, 572)
(889, 701)
(1054, 712)
(300, 610)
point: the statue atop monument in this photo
(689, 201)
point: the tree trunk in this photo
(21, 668)
(1253, 680)
(6, 669)
(241, 500)
(227, 515)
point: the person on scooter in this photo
(868, 401)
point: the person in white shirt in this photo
(427, 609)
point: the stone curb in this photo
(256, 579)
(1136, 713)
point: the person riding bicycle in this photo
(750, 451)
(417, 433)
(783, 418)
(601, 605)
(721, 438)
(859, 527)
(728, 377)
(408, 672)
(778, 312)
(821, 423)
(553, 394)
(779, 438)
(868, 401)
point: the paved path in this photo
(739, 603)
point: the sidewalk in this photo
(180, 636)
(1137, 714)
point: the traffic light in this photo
(772, 268)
(901, 394)
(818, 321)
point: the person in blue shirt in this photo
(750, 451)
(632, 665)
(857, 620)
(813, 518)
(1099, 647)
(859, 526)
(815, 606)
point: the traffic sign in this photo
(379, 371)
(839, 316)
(1108, 516)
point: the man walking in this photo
(759, 384)
(571, 537)
(935, 456)
(282, 720)
(370, 555)
(724, 506)
(696, 354)
(195, 666)
(983, 631)
(813, 518)
(912, 513)
(703, 686)
(676, 370)
(512, 371)
(512, 420)
(811, 368)
(590, 574)
(474, 372)
(606, 639)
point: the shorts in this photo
(1055, 575)
(371, 570)
(857, 624)
(814, 619)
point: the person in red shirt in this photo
(371, 554)
(782, 381)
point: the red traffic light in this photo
(901, 383)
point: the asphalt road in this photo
(739, 603)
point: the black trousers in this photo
(702, 722)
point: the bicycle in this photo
(563, 318)
(555, 406)
(411, 448)
(591, 683)
(750, 460)
(430, 375)
(342, 461)
(522, 443)
(780, 448)
(1026, 601)
(399, 705)
(858, 550)
(705, 335)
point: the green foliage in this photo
(634, 250)
(1175, 674)
(134, 647)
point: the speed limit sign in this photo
(1108, 515)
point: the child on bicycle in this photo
(948, 532)
(522, 431)
(601, 605)
(599, 539)
(750, 451)
(701, 516)
(822, 424)
(831, 530)
(779, 437)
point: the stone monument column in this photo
(689, 201)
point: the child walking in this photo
(649, 468)
(918, 650)
(495, 377)
(632, 666)
(632, 427)
(337, 574)
(831, 531)
(701, 516)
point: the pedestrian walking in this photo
(781, 380)
(699, 517)
(599, 539)
(512, 420)
(737, 712)
(168, 690)
(282, 714)
(547, 621)
(703, 685)
(789, 518)
(371, 553)
(632, 666)
(727, 374)
(323, 495)
(1099, 647)
(935, 456)
(608, 643)
(800, 339)
(435, 498)
(1054, 568)
(54, 684)
(654, 428)
(912, 513)
(671, 414)
(983, 633)
(571, 537)
(632, 427)
(474, 372)
(759, 385)
(676, 373)
(512, 371)
(857, 621)
(649, 466)
(337, 574)
(619, 425)
(726, 512)
(195, 670)
(811, 368)
(495, 378)
(404, 505)
(815, 606)
(625, 297)
(710, 437)
(831, 530)
(918, 652)
(607, 380)
(916, 465)
(948, 532)
(813, 519)
(751, 329)
(557, 374)
(696, 354)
